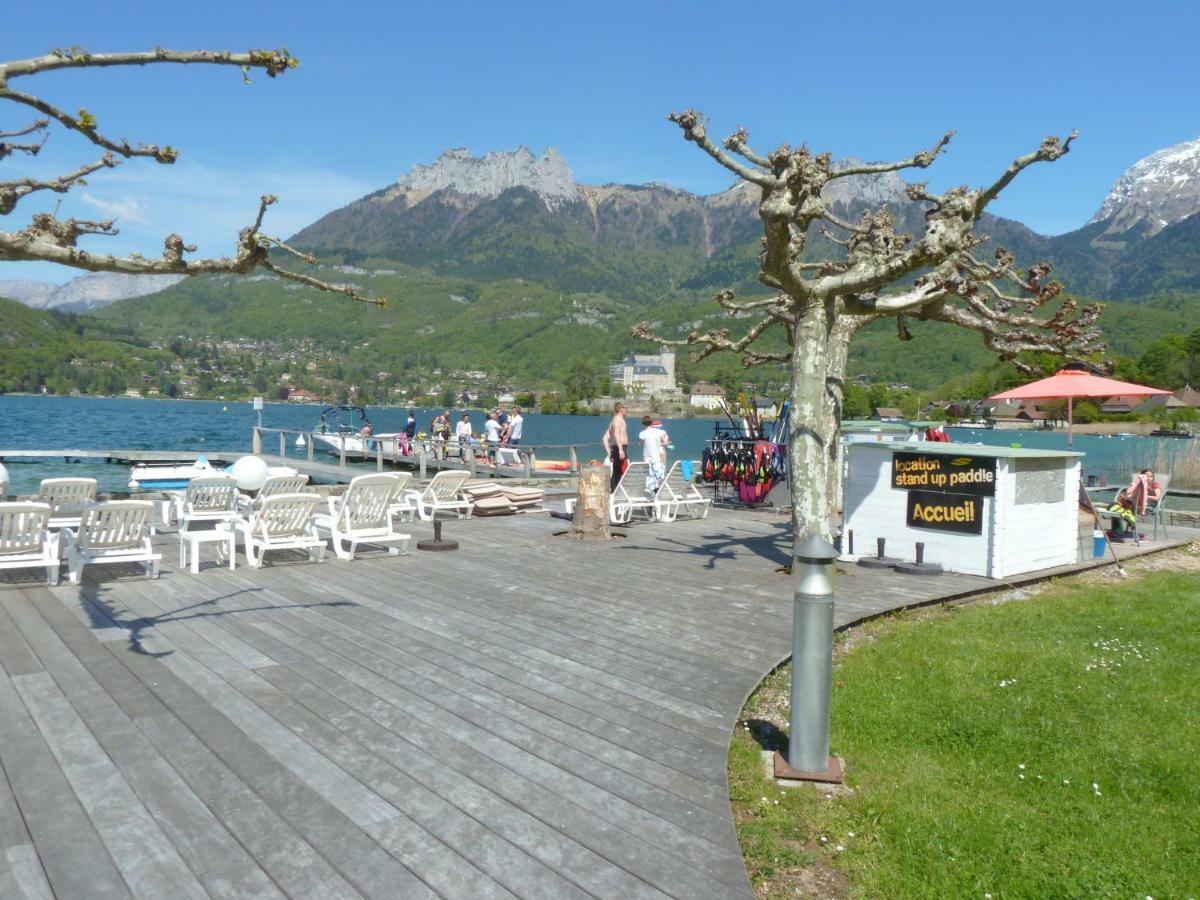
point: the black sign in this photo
(974, 475)
(945, 512)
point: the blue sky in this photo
(382, 86)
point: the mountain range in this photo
(505, 261)
(90, 291)
(516, 215)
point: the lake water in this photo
(127, 424)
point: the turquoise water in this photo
(127, 424)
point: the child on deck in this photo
(654, 452)
(1124, 523)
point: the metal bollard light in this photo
(808, 756)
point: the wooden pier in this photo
(527, 717)
(517, 462)
(123, 457)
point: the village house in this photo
(706, 396)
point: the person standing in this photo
(515, 425)
(616, 443)
(462, 431)
(441, 434)
(410, 425)
(491, 428)
(654, 452)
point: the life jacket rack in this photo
(741, 470)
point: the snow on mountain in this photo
(1160, 190)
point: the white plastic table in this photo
(190, 541)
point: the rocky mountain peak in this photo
(872, 190)
(84, 292)
(1160, 190)
(493, 173)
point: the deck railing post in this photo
(421, 464)
(379, 455)
(282, 443)
(470, 457)
(574, 469)
(342, 451)
(256, 442)
(527, 460)
(310, 447)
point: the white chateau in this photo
(645, 373)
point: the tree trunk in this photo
(831, 421)
(808, 441)
(590, 521)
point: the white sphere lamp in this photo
(250, 472)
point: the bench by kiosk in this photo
(991, 511)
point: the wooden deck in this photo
(529, 716)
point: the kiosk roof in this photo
(958, 449)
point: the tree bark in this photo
(590, 521)
(808, 441)
(838, 351)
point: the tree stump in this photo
(590, 521)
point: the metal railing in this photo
(425, 453)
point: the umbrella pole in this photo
(1070, 421)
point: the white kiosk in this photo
(991, 511)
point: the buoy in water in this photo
(224, 409)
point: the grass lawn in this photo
(1043, 748)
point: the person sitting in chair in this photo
(1124, 523)
(1144, 491)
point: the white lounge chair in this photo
(116, 531)
(622, 505)
(362, 516)
(67, 498)
(281, 522)
(279, 483)
(443, 493)
(26, 540)
(403, 505)
(676, 495)
(213, 498)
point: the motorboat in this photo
(341, 428)
(169, 476)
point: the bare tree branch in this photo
(737, 143)
(920, 160)
(693, 130)
(49, 239)
(37, 125)
(1052, 148)
(11, 192)
(273, 61)
(7, 149)
(347, 289)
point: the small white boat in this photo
(169, 476)
(342, 427)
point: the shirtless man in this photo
(616, 443)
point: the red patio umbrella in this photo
(1067, 384)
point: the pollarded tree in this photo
(50, 239)
(819, 305)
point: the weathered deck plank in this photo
(528, 717)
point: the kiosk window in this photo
(1039, 481)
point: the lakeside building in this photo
(706, 396)
(646, 373)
